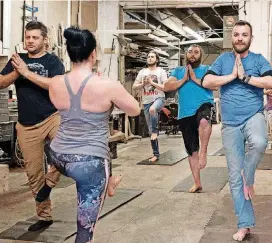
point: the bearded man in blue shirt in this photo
(194, 110)
(242, 75)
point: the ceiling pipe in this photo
(209, 40)
(217, 14)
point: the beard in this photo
(194, 63)
(151, 64)
(243, 49)
(35, 51)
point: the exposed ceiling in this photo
(202, 25)
(174, 25)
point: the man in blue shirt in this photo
(194, 110)
(242, 75)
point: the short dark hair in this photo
(243, 23)
(80, 43)
(199, 47)
(157, 56)
(36, 25)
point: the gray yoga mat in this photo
(213, 179)
(222, 224)
(64, 217)
(170, 157)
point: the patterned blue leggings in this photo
(91, 175)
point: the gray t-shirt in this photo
(151, 93)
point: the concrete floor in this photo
(158, 215)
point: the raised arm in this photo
(173, 83)
(124, 100)
(8, 76)
(158, 86)
(139, 83)
(265, 71)
(213, 79)
(8, 79)
(37, 79)
(163, 79)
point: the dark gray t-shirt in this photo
(34, 104)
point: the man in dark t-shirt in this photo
(38, 119)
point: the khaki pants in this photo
(31, 140)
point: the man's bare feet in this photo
(202, 160)
(113, 183)
(195, 188)
(154, 136)
(248, 190)
(241, 234)
(153, 159)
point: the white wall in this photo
(108, 21)
(258, 16)
(50, 13)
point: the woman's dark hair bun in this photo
(73, 36)
(80, 43)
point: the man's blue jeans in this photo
(153, 120)
(254, 133)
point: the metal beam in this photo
(201, 21)
(167, 20)
(150, 4)
(130, 31)
(155, 29)
(163, 41)
(174, 23)
(198, 19)
(217, 14)
(209, 40)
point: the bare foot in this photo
(248, 190)
(202, 160)
(241, 234)
(153, 159)
(195, 188)
(113, 183)
(154, 136)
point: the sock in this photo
(43, 193)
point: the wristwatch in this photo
(246, 78)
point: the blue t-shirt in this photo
(191, 95)
(240, 101)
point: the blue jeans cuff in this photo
(244, 226)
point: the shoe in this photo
(41, 224)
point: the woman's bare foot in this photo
(241, 234)
(113, 183)
(202, 160)
(153, 159)
(195, 188)
(248, 190)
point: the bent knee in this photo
(203, 122)
(152, 111)
(259, 144)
